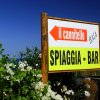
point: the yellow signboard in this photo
(72, 45)
(62, 58)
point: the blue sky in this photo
(20, 20)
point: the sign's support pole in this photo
(99, 42)
(44, 47)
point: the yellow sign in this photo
(72, 45)
(73, 58)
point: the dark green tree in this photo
(32, 56)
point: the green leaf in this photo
(0, 45)
(32, 93)
(19, 98)
(23, 98)
(2, 69)
(25, 90)
(27, 97)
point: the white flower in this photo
(36, 64)
(45, 98)
(54, 95)
(8, 68)
(7, 77)
(29, 68)
(64, 88)
(58, 83)
(4, 93)
(87, 93)
(18, 80)
(32, 84)
(25, 62)
(54, 84)
(10, 71)
(34, 75)
(51, 95)
(39, 75)
(66, 98)
(19, 62)
(8, 65)
(22, 65)
(48, 94)
(41, 94)
(72, 92)
(39, 86)
(40, 55)
(69, 92)
(58, 97)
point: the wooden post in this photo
(99, 42)
(44, 47)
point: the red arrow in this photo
(54, 33)
(71, 34)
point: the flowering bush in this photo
(70, 94)
(32, 56)
(22, 82)
(76, 90)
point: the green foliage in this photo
(24, 83)
(21, 81)
(32, 56)
(3, 57)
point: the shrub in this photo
(32, 56)
(23, 82)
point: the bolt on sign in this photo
(71, 44)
